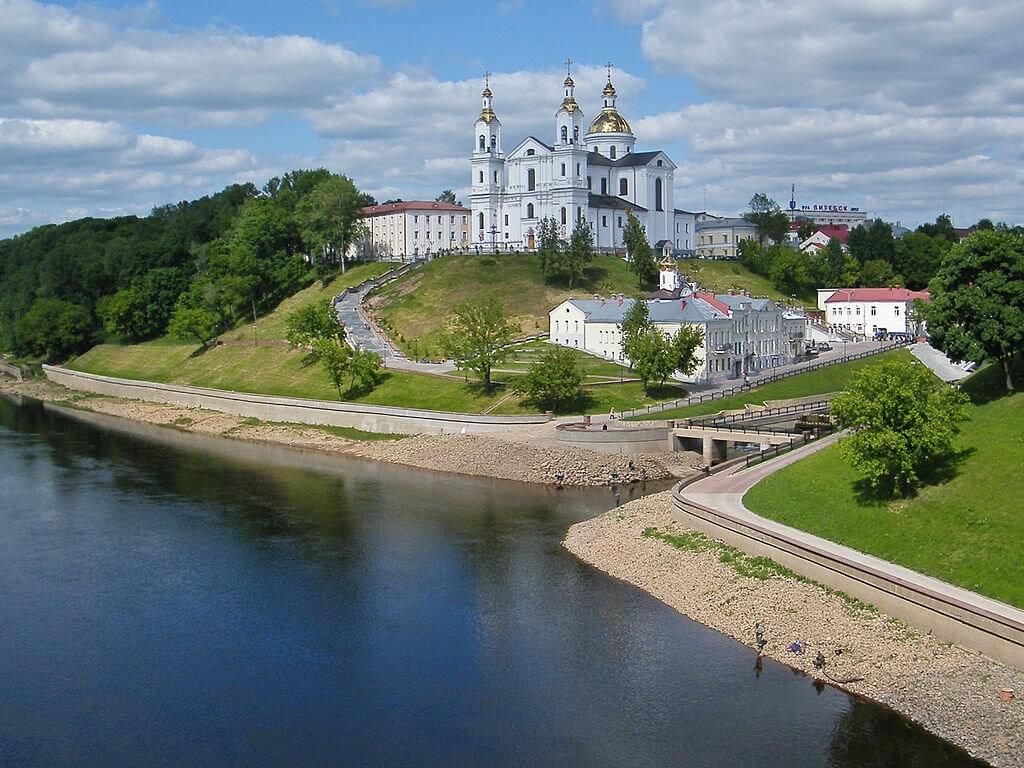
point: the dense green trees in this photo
(772, 224)
(903, 421)
(306, 325)
(554, 381)
(53, 329)
(977, 307)
(653, 354)
(477, 337)
(560, 260)
(212, 262)
(638, 250)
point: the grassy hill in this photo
(723, 276)
(965, 529)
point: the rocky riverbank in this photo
(507, 457)
(949, 690)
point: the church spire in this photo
(569, 102)
(487, 112)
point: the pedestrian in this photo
(612, 415)
(746, 379)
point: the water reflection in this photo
(171, 600)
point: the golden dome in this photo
(487, 115)
(609, 90)
(610, 121)
(569, 104)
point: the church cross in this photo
(568, 66)
(487, 79)
(609, 66)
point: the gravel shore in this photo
(524, 458)
(949, 690)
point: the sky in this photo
(905, 108)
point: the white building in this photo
(742, 334)
(414, 228)
(868, 311)
(719, 238)
(585, 172)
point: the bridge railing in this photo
(767, 413)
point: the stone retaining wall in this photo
(618, 440)
(372, 418)
(954, 614)
(10, 369)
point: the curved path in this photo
(715, 506)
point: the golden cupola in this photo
(609, 120)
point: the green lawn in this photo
(832, 378)
(272, 325)
(966, 528)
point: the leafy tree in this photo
(448, 196)
(917, 257)
(977, 308)
(984, 225)
(903, 423)
(336, 358)
(123, 313)
(194, 321)
(638, 250)
(654, 355)
(554, 381)
(772, 224)
(580, 251)
(306, 325)
(635, 321)
(687, 340)
(477, 337)
(364, 370)
(790, 272)
(878, 274)
(53, 329)
(806, 228)
(943, 227)
(329, 220)
(549, 249)
(833, 261)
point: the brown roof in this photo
(412, 205)
(876, 294)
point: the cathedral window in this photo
(565, 135)
(480, 221)
(659, 204)
(530, 153)
(564, 216)
(529, 210)
(604, 186)
(563, 169)
(620, 222)
(611, 152)
(590, 182)
(494, 143)
(576, 134)
(579, 214)
(506, 219)
(495, 177)
(623, 186)
(604, 221)
(660, 163)
(481, 177)
(531, 179)
(483, 143)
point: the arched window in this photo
(494, 142)
(480, 221)
(483, 143)
(563, 169)
(481, 177)
(659, 204)
(531, 180)
(623, 186)
(530, 153)
(529, 210)
(576, 134)
(565, 134)
(579, 214)
(495, 177)
(564, 216)
(611, 152)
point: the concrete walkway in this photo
(939, 364)
(723, 493)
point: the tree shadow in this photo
(940, 472)
(989, 383)
(201, 350)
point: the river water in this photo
(167, 599)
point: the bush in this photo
(53, 329)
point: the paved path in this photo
(940, 365)
(724, 492)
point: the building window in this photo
(620, 222)
(494, 143)
(577, 166)
(604, 221)
(659, 203)
(506, 219)
(483, 143)
(565, 216)
(896, 311)
(579, 214)
(530, 153)
(415, 218)
(481, 221)
(590, 182)
(623, 186)
(481, 177)
(563, 169)
(531, 180)
(565, 135)
(604, 186)
(873, 311)
(576, 134)
(529, 210)
(611, 152)
(439, 219)
(440, 235)
(660, 163)
(416, 233)
(495, 177)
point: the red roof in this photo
(876, 294)
(838, 232)
(721, 306)
(412, 205)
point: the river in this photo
(167, 599)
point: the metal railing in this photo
(768, 413)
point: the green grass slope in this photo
(725, 275)
(966, 528)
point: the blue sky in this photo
(905, 107)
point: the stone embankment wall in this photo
(627, 441)
(954, 614)
(409, 421)
(10, 369)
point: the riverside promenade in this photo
(714, 505)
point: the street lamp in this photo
(844, 349)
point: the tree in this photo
(364, 370)
(554, 381)
(53, 329)
(477, 337)
(549, 249)
(917, 257)
(878, 274)
(903, 423)
(123, 313)
(772, 224)
(329, 220)
(687, 340)
(638, 250)
(806, 228)
(943, 227)
(448, 196)
(790, 272)
(306, 325)
(336, 358)
(977, 308)
(193, 321)
(654, 355)
(635, 321)
(832, 264)
(580, 251)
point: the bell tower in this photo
(487, 164)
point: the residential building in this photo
(869, 311)
(719, 238)
(592, 173)
(822, 236)
(407, 230)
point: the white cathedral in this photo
(596, 175)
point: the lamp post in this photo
(844, 349)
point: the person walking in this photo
(612, 415)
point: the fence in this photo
(717, 419)
(683, 402)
